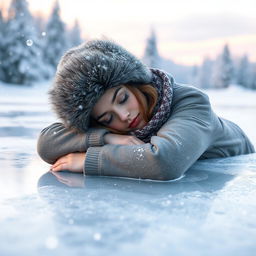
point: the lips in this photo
(134, 122)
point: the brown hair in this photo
(148, 91)
(146, 107)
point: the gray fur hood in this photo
(86, 72)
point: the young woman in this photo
(120, 118)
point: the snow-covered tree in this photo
(151, 56)
(243, 72)
(204, 74)
(193, 75)
(252, 83)
(22, 60)
(55, 39)
(181, 73)
(2, 46)
(74, 35)
(40, 24)
(223, 69)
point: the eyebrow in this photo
(112, 101)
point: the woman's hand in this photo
(118, 139)
(73, 162)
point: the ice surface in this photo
(210, 211)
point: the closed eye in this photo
(107, 122)
(122, 101)
(126, 96)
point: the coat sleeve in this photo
(55, 141)
(178, 144)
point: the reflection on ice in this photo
(209, 211)
(18, 131)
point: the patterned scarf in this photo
(162, 110)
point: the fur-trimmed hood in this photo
(86, 72)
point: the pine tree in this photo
(75, 35)
(243, 72)
(22, 60)
(193, 75)
(151, 56)
(40, 25)
(223, 69)
(55, 39)
(252, 83)
(204, 74)
(2, 46)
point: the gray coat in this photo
(192, 132)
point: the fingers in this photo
(59, 167)
(73, 162)
(136, 142)
(60, 164)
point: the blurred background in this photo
(210, 44)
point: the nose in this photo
(123, 114)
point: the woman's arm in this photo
(75, 161)
(56, 141)
(178, 144)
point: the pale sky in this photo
(187, 31)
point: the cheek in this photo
(117, 125)
(134, 104)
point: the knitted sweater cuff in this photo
(92, 161)
(95, 137)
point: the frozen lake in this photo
(211, 211)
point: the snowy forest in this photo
(213, 73)
(31, 46)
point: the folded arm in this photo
(56, 141)
(178, 144)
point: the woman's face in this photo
(119, 109)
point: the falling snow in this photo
(97, 236)
(29, 42)
(51, 242)
(80, 107)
